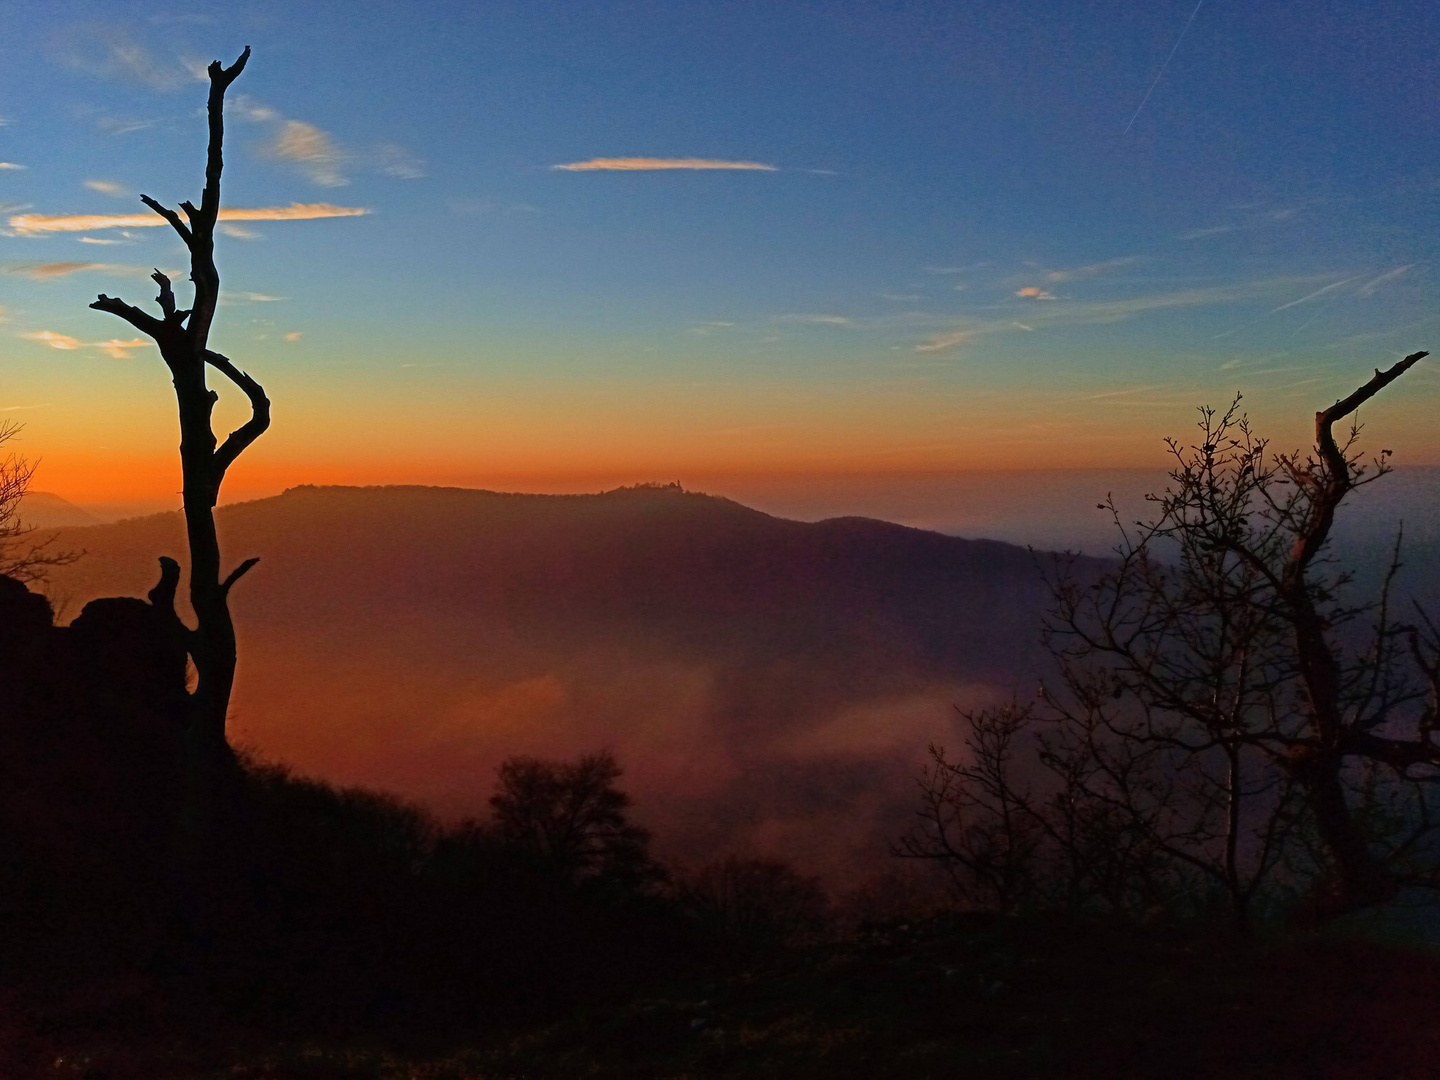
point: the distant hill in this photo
(46, 511)
(769, 684)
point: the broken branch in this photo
(170, 216)
(146, 324)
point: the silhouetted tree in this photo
(20, 557)
(977, 820)
(182, 336)
(1222, 698)
(571, 817)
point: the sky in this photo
(561, 246)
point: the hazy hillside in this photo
(45, 510)
(767, 682)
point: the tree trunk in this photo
(183, 339)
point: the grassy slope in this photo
(958, 999)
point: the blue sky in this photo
(968, 250)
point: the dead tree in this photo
(182, 336)
(1225, 714)
(1247, 649)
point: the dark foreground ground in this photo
(947, 998)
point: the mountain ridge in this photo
(769, 684)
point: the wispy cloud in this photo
(107, 187)
(1115, 310)
(321, 157)
(1081, 273)
(815, 320)
(117, 348)
(12, 165)
(122, 125)
(1368, 289)
(941, 342)
(54, 340)
(247, 108)
(1062, 312)
(294, 335)
(46, 271)
(34, 224)
(18, 408)
(101, 240)
(249, 298)
(956, 269)
(391, 159)
(239, 232)
(112, 53)
(1317, 293)
(113, 347)
(1200, 234)
(1129, 391)
(640, 164)
(1032, 292)
(312, 150)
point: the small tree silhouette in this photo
(572, 818)
(20, 558)
(182, 336)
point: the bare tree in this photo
(977, 818)
(1223, 702)
(21, 555)
(182, 336)
(1248, 647)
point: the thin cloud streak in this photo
(1368, 289)
(815, 320)
(1163, 66)
(1081, 273)
(54, 340)
(1200, 234)
(46, 271)
(1317, 292)
(942, 342)
(643, 164)
(1068, 312)
(114, 347)
(34, 224)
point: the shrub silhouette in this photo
(570, 818)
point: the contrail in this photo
(1318, 292)
(1163, 67)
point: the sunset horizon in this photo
(714, 538)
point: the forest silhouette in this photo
(169, 901)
